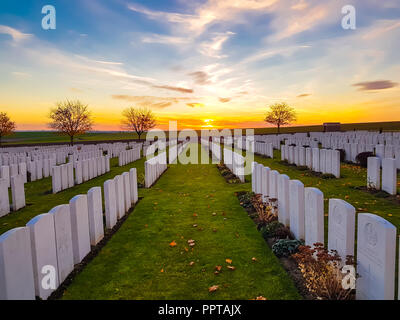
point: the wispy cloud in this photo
(375, 85)
(303, 95)
(14, 33)
(150, 101)
(165, 39)
(195, 104)
(172, 88)
(224, 100)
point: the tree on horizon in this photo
(139, 120)
(280, 114)
(71, 118)
(7, 127)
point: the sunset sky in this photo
(204, 63)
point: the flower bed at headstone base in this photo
(307, 171)
(227, 174)
(293, 254)
(378, 194)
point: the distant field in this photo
(21, 138)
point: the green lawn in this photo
(139, 263)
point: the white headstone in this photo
(133, 184)
(314, 216)
(44, 253)
(296, 205)
(56, 179)
(16, 270)
(335, 154)
(273, 184)
(389, 176)
(341, 227)
(110, 203)
(120, 196)
(374, 173)
(376, 254)
(4, 198)
(283, 199)
(265, 182)
(95, 207)
(62, 227)
(80, 227)
(18, 192)
(127, 191)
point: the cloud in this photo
(303, 95)
(21, 75)
(200, 77)
(14, 33)
(165, 39)
(195, 104)
(224, 100)
(150, 101)
(212, 48)
(172, 88)
(375, 85)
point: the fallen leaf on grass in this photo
(213, 288)
(191, 263)
(172, 244)
(162, 270)
(254, 259)
(218, 268)
(260, 298)
(231, 268)
(228, 261)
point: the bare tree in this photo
(139, 120)
(7, 126)
(280, 114)
(71, 118)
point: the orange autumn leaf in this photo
(218, 268)
(228, 261)
(172, 244)
(213, 288)
(254, 259)
(261, 298)
(162, 270)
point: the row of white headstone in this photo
(389, 174)
(175, 149)
(154, 168)
(264, 148)
(7, 172)
(17, 194)
(302, 209)
(128, 156)
(36, 259)
(63, 176)
(318, 160)
(235, 162)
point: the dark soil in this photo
(380, 194)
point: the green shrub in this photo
(362, 158)
(302, 168)
(141, 180)
(286, 247)
(269, 230)
(327, 176)
(342, 154)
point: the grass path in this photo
(139, 263)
